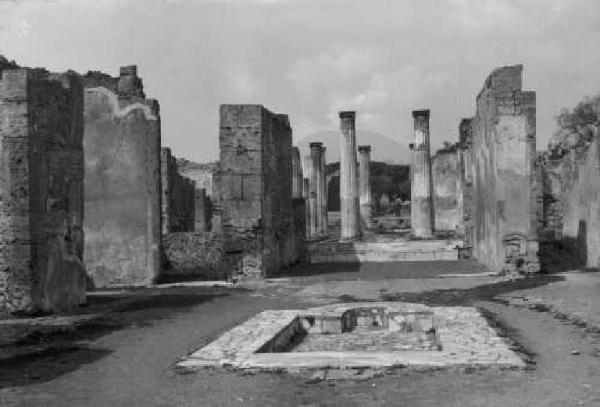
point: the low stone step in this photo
(341, 252)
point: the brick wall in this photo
(574, 207)
(504, 197)
(207, 260)
(205, 175)
(178, 201)
(255, 186)
(41, 191)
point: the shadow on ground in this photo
(43, 356)
(463, 297)
(560, 256)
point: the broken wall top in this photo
(128, 85)
(505, 79)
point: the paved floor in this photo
(125, 357)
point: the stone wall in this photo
(122, 181)
(205, 262)
(206, 176)
(552, 190)
(504, 177)
(447, 190)
(255, 188)
(576, 208)
(178, 199)
(41, 191)
(466, 179)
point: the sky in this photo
(313, 58)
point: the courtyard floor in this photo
(124, 352)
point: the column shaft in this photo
(297, 178)
(348, 180)
(421, 209)
(323, 201)
(364, 185)
(315, 185)
(306, 194)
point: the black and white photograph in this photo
(304, 203)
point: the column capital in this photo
(420, 113)
(366, 149)
(316, 144)
(347, 114)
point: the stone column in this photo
(364, 184)
(306, 194)
(315, 185)
(348, 179)
(323, 202)
(297, 179)
(421, 208)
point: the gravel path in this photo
(126, 357)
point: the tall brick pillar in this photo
(41, 192)
(315, 188)
(364, 184)
(297, 178)
(348, 179)
(421, 209)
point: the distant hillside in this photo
(383, 148)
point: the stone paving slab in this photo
(463, 332)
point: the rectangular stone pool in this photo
(358, 335)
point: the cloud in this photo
(311, 58)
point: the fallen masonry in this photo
(358, 336)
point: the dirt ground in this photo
(126, 356)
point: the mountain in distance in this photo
(383, 148)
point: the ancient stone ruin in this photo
(569, 207)
(89, 196)
(504, 194)
(256, 202)
(422, 212)
(122, 181)
(41, 190)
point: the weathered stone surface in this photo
(178, 201)
(122, 181)
(323, 219)
(297, 176)
(255, 188)
(195, 255)
(464, 335)
(316, 190)
(421, 208)
(465, 202)
(364, 185)
(381, 252)
(572, 201)
(350, 207)
(503, 172)
(306, 194)
(41, 191)
(299, 211)
(447, 189)
(206, 176)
